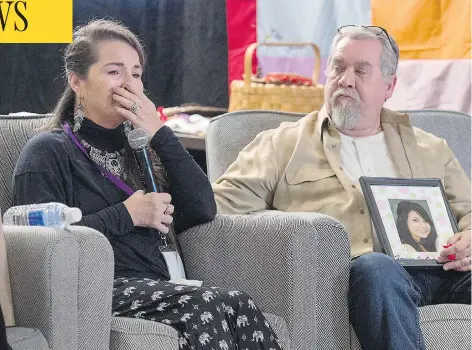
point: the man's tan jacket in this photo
(297, 168)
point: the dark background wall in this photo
(185, 41)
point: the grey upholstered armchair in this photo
(443, 325)
(62, 281)
(61, 286)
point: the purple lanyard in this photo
(116, 180)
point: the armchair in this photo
(325, 320)
(62, 281)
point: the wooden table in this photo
(192, 142)
(189, 141)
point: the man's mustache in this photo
(343, 92)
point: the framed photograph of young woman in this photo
(412, 218)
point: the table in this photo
(192, 142)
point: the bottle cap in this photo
(72, 215)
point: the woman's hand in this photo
(138, 109)
(460, 246)
(150, 210)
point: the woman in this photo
(416, 229)
(104, 64)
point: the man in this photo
(314, 165)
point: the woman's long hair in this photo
(403, 209)
(78, 57)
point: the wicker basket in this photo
(248, 94)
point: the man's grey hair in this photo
(390, 52)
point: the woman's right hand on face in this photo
(150, 210)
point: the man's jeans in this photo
(384, 299)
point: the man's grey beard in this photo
(345, 117)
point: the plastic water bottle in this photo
(54, 215)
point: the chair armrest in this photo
(58, 280)
(43, 266)
(96, 275)
(295, 265)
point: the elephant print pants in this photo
(205, 318)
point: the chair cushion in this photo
(20, 338)
(134, 334)
(445, 124)
(16, 131)
(137, 334)
(445, 326)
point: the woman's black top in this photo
(52, 169)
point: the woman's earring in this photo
(78, 116)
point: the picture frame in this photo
(412, 218)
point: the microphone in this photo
(138, 140)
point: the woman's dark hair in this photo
(82, 53)
(403, 209)
(79, 56)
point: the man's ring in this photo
(134, 108)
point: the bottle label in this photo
(35, 218)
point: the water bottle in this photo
(54, 215)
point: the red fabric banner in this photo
(241, 18)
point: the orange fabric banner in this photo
(427, 29)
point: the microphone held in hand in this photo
(138, 140)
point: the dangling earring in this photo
(78, 116)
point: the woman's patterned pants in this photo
(205, 318)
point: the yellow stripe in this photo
(426, 29)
